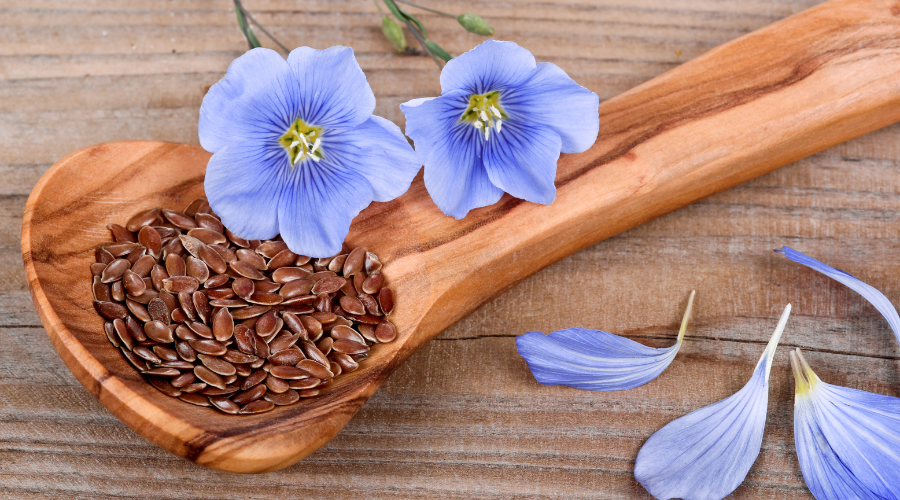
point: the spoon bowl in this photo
(769, 98)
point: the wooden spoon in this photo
(764, 100)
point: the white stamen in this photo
(478, 124)
(305, 142)
(314, 158)
(483, 115)
(495, 111)
(298, 158)
(315, 146)
(487, 134)
(294, 144)
(497, 125)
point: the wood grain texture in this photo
(462, 418)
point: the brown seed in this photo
(158, 310)
(242, 370)
(215, 391)
(216, 281)
(191, 244)
(227, 256)
(135, 254)
(185, 351)
(283, 258)
(348, 289)
(252, 258)
(147, 354)
(143, 266)
(175, 265)
(367, 319)
(237, 240)
(283, 342)
(373, 284)
(194, 399)
(97, 268)
(224, 404)
(246, 270)
(150, 239)
(101, 290)
(208, 236)
(295, 325)
(315, 368)
(173, 247)
(287, 357)
(201, 305)
(288, 274)
(325, 344)
(121, 234)
(373, 264)
(325, 317)
(242, 287)
(312, 325)
(254, 379)
(337, 264)
(157, 275)
(369, 304)
(276, 385)
(303, 260)
(179, 220)
(222, 325)
(190, 388)
(355, 261)
(184, 379)
(208, 347)
(290, 372)
(358, 280)
(270, 249)
(321, 264)
(222, 302)
(114, 270)
(261, 348)
(352, 305)
(250, 312)
(185, 333)
(245, 339)
(265, 286)
(296, 288)
(368, 332)
(211, 222)
(110, 310)
(238, 357)
(197, 268)
(132, 358)
(266, 299)
(287, 397)
(179, 316)
(181, 365)
(119, 249)
(110, 331)
(117, 291)
(308, 393)
(217, 365)
(323, 303)
(158, 331)
(162, 372)
(349, 347)
(267, 324)
(255, 407)
(342, 332)
(178, 284)
(123, 334)
(346, 363)
(304, 383)
(200, 329)
(186, 300)
(335, 368)
(385, 332)
(102, 256)
(213, 259)
(251, 394)
(170, 300)
(164, 386)
(208, 376)
(142, 219)
(135, 329)
(192, 208)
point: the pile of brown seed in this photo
(243, 326)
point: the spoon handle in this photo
(771, 97)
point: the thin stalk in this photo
(435, 11)
(260, 26)
(422, 43)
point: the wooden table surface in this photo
(462, 418)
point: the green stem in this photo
(422, 43)
(426, 8)
(260, 26)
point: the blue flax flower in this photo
(868, 292)
(706, 454)
(499, 125)
(595, 360)
(848, 441)
(297, 149)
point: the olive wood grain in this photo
(764, 100)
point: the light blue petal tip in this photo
(870, 293)
(706, 454)
(848, 441)
(594, 360)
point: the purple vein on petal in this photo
(706, 454)
(596, 360)
(868, 292)
(847, 440)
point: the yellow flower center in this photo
(485, 113)
(302, 141)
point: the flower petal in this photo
(706, 454)
(451, 151)
(868, 292)
(522, 161)
(493, 65)
(595, 360)
(848, 441)
(318, 204)
(378, 151)
(332, 87)
(552, 99)
(243, 184)
(256, 100)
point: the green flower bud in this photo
(437, 50)
(475, 24)
(393, 33)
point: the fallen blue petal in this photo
(595, 360)
(868, 292)
(848, 441)
(706, 454)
